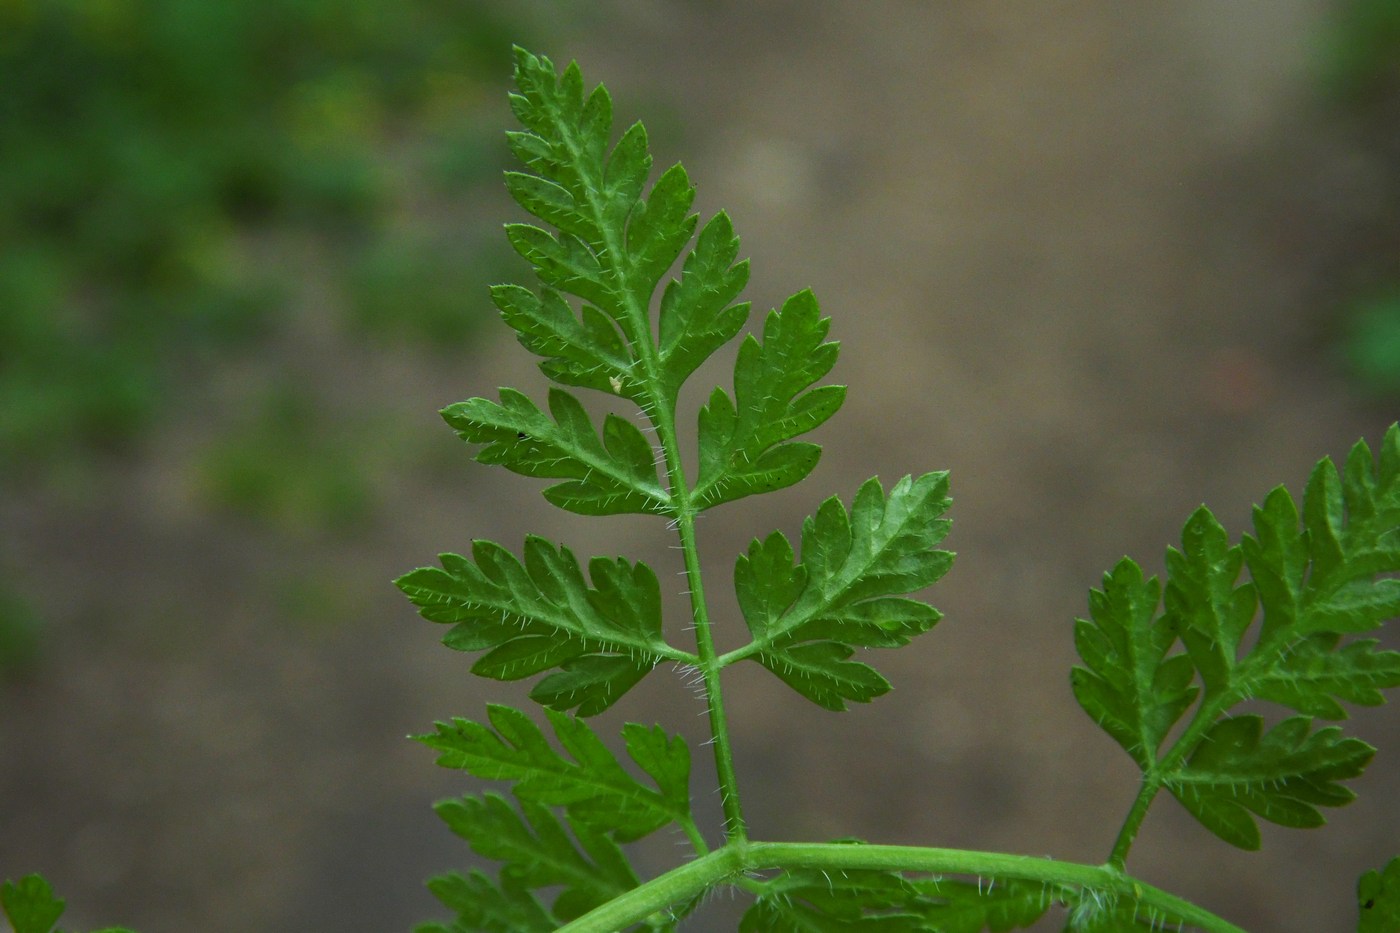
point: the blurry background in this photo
(1102, 260)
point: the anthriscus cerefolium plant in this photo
(1273, 617)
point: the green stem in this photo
(1133, 822)
(734, 825)
(688, 881)
(692, 832)
(1205, 717)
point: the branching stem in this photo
(727, 864)
(1205, 716)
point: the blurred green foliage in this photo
(19, 634)
(1360, 70)
(1372, 342)
(148, 146)
(276, 468)
(1361, 47)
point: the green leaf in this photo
(1283, 776)
(1378, 900)
(665, 759)
(1316, 673)
(614, 245)
(1203, 604)
(746, 442)
(591, 784)
(1128, 686)
(587, 352)
(1316, 576)
(31, 907)
(30, 904)
(698, 311)
(1327, 576)
(537, 852)
(482, 905)
(542, 614)
(807, 619)
(608, 476)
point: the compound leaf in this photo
(608, 476)
(615, 243)
(1283, 775)
(746, 442)
(542, 614)
(806, 619)
(591, 784)
(1378, 900)
(537, 852)
(1315, 576)
(1128, 686)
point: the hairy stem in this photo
(1205, 716)
(663, 418)
(714, 693)
(1133, 821)
(720, 866)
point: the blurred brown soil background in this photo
(1080, 254)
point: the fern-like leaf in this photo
(806, 619)
(1128, 686)
(542, 614)
(591, 784)
(1283, 775)
(537, 852)
(610, 475)
(483, 906)
(746, 442)
(1315, 577)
